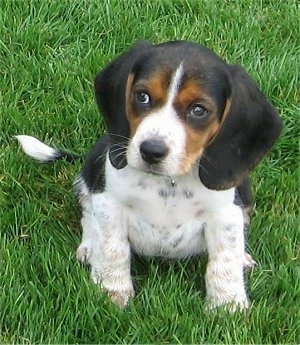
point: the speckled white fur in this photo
(155, 218)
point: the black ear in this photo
(110, 92)
(248, 132)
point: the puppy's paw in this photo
(118, 285)
(249, 263)
(121, 298)
(232, 306)
(84, 252)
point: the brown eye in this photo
(142, 97)
(197, 111)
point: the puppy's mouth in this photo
(152, 171)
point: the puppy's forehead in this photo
(199, 67)
(197, 61)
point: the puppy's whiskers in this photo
(116, 147)
(119, 136)
(113, 149)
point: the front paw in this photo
(117, 284)
(228, 303)
(121, 298)
(225, 285)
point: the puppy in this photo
(170, 177)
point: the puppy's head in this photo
(177, 105)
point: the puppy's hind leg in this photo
(89, 227)
(89, 236)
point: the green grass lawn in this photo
(50, 52)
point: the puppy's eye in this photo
(142, 97)
(197, 111)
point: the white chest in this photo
(164, 218)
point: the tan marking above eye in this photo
(156, 87)
(191, 92)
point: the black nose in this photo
(153, 151)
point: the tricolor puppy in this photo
(170, 177)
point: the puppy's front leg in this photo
(224, 275)
(110, 255)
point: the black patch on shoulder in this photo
(93, 171)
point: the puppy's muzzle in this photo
(153, 151)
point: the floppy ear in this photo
(248, 132)
(110, 92)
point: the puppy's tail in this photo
(42, 152)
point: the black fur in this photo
(247, 134)
(110, 86)
(93, 169)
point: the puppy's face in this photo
(175, 106)
(180, 106)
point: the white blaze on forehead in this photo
(162, 123)
(175, 83)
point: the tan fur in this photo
(156, 87)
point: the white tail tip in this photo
(36, 149)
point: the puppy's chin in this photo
(161, 169)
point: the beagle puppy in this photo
(170, 177)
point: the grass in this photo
(50, 52)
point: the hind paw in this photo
(249, 263)
(84, 252)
